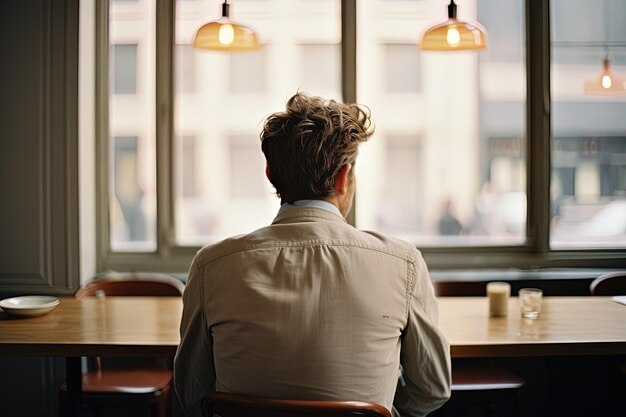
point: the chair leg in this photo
(163, 408)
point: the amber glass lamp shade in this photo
(454, 34)
(225, 35)
(607, 83)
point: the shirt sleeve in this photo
(194, 370)
(425, 374)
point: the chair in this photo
(483, 388)
(477, 385)
(232, 405)
(613, 283)
(129, 385)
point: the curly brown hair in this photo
(308, 144)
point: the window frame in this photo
(535, 253)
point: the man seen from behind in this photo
(310, 307)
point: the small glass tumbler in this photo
(530, 302)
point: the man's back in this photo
(310, 308)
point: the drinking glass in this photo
(530, 302)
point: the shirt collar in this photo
(311, 203)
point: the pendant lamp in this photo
(607, 83)
(454, 34)
(225, 35)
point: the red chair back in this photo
(132, 284)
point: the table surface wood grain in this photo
(149, 326)
(566, 326)
(111, 326)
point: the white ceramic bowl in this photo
(29, 305)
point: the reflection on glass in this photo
(588, 180)
(232, 93)
(131, 126)
(447, 163)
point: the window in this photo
(233, 93)
(246, 163)
(321, 68)
(399, 212)
(402, 72)
(124, 62)
(131, 146)
(185, 71)
(460, 162)
(465, 179)
(188, 166)
(588, 190)
(247, 72)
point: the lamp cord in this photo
(606, 28)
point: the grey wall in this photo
(38, 178)
(38, 146)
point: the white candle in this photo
(498, 293)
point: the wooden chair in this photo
(613, 283)
(130, 385)
(477, 385)
(484, 389)
(232, 405)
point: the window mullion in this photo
(102, 134)
(538, 123)
(164, 125)
(348, 50)
(348, 62)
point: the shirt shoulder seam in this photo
(405, 257)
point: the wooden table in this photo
(148, 326)
(112, 326)
(567, 326)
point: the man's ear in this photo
(342, 180)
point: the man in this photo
(310, 307)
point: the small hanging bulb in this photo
(453, 36)
(226, 34)
(608, 82)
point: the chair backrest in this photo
(460, 288)
(132, 284)
(232, 405)
(613, 283)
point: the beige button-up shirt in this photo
(312, 308)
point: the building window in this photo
(399, 212)
(124, 68)
(247, 72)
(188, 166)
(321, 68)
(184, 71)
(402, 68)
(247, 167)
